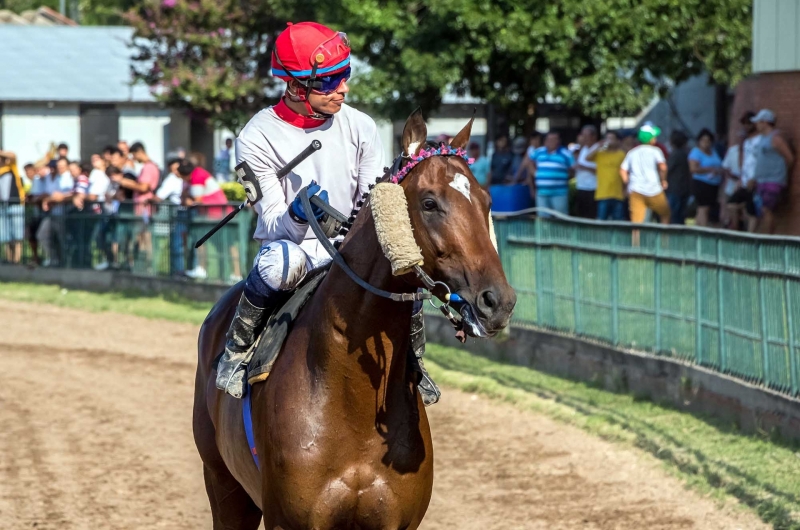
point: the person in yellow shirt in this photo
(12, 210)
(609, 194)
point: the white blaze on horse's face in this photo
(461, 184)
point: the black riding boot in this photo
(242, 334)
(427, 388)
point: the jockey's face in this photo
(328, 103)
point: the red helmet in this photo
(307, 50)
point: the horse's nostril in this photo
(489, 299)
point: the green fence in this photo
(720, 299)
(154, 240)
(724, 300)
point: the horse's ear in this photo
(415, 133)
(462, 138)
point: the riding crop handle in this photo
(315, 145)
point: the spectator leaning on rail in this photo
(586, 175)
(315, 63)
(62, 151)
(774, 158)
(644, 171)
(51, 233)
(146, 183)
(12, 209)
(172, 191)
(204, 192)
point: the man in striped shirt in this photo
(552, 168)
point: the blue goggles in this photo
(329, 83)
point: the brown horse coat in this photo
(340, 428)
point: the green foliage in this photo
(602, 57)
(85, 12)
(104, 12)
(18, 6)
(211, 57)
(233, 191)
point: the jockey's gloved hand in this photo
(296, 209)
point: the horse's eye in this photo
(429, 204)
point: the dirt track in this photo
(95, 433)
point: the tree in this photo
(602, 57)
(212, 57)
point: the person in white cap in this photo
(773, 160)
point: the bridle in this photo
(395, 173)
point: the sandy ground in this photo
(95, 433)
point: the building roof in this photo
(43, 16)
(62, 63)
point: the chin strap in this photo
(297, 98)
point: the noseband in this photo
(395, 175)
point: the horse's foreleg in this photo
(231, 506)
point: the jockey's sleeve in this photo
(272, 210)
(370, 160)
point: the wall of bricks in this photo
(780, 92)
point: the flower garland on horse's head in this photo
(443, 150)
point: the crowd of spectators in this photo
(625, 176)
(616, 177)
(110, 204)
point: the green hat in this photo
(648, 132)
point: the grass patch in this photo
(161, 307)
(710, 456)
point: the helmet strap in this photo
(301, 96)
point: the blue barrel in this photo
(510, 198)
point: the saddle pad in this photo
(278, 326)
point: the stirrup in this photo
(427, 388)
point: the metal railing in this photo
(724, 300)
(154, 239)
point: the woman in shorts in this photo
(706, 168)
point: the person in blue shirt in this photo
(552, 166)
(480, 168)
(706, 168)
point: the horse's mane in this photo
(387, 174)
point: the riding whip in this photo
(253, 190)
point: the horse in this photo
(340, 429)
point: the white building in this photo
(73, 85)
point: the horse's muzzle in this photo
(490, 312)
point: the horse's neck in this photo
(360, 341)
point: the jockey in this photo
(315, 63)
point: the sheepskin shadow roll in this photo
(393, 226)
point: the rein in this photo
(395, 175)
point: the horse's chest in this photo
(381, 479)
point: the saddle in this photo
(271, 339)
